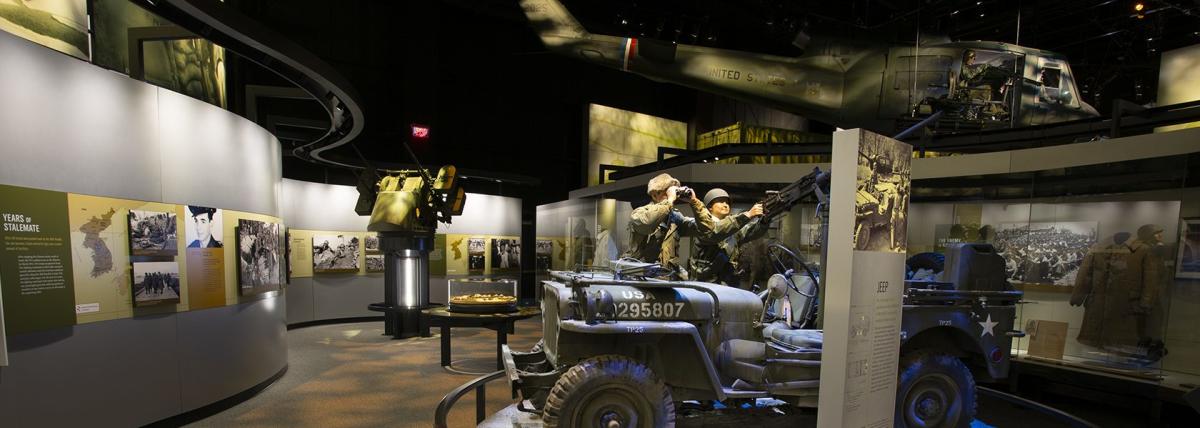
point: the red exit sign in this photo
(420, 132)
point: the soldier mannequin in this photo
(655, 228)
(713, 256)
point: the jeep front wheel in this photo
(609, 391)
(936, 390)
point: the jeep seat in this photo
(802, 338)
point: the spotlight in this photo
(1139, 6)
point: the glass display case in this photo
(479, 295)
(1107, 255)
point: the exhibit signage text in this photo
(19, 223)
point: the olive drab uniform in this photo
(1118, 285)
(714, 255)
(655, 228)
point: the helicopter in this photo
(968, 85)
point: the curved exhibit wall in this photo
(68, 126)
(312, 210)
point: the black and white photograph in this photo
(335, 253)
(260, 256)
(204, 227)
(545, 249)
(475, 254)
(371, 243)
(881, 203)
(1188, 265)
(1044, 253)
(506, 254)
(153, 233)
(374, 262)
(155, 283)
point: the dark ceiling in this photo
(501, 107)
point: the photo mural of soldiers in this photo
(1044, 253)
(155, 282)
(506, 254)
(881, 222)
(375, 263)
(335, 253)
(259, 254)
(544, 250)
(475, 255)
(152, 233)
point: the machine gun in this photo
(781, 201)
(405, 211)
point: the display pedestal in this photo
(405, 283)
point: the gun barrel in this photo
(778, 202)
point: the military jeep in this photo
(622, 349)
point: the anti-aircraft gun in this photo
(405, 208)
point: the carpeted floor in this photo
(351, 375)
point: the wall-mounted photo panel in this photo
(375, 263)
(881, 222)
(506, 255)
(476, 259)
(204, 227)
(371, 243)
(545, 250)
(335, 253)
(3, 341)
(153, 233)
(1044, 253)
(1188, 265)
(155, 283)
(61, 25)
(260, 257)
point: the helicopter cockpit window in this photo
(1051, 77)
(1056, 84)
(985, 83)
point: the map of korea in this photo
(102, 262)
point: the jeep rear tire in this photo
(936, 391)
(609, 391)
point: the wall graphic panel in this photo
(260, 257)
(35, 260)
(153, 233)
(374, 263)
(335, 253)
(205, 256)
(3, 341)
(625, 138)
(506, 255)
(104, 232)
(155, 283)
(61, 25)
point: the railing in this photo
(479, 385)
(1060, 416)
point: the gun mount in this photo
(406, 209)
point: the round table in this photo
(502, 323)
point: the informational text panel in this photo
(868, 219)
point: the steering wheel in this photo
(786, 263)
